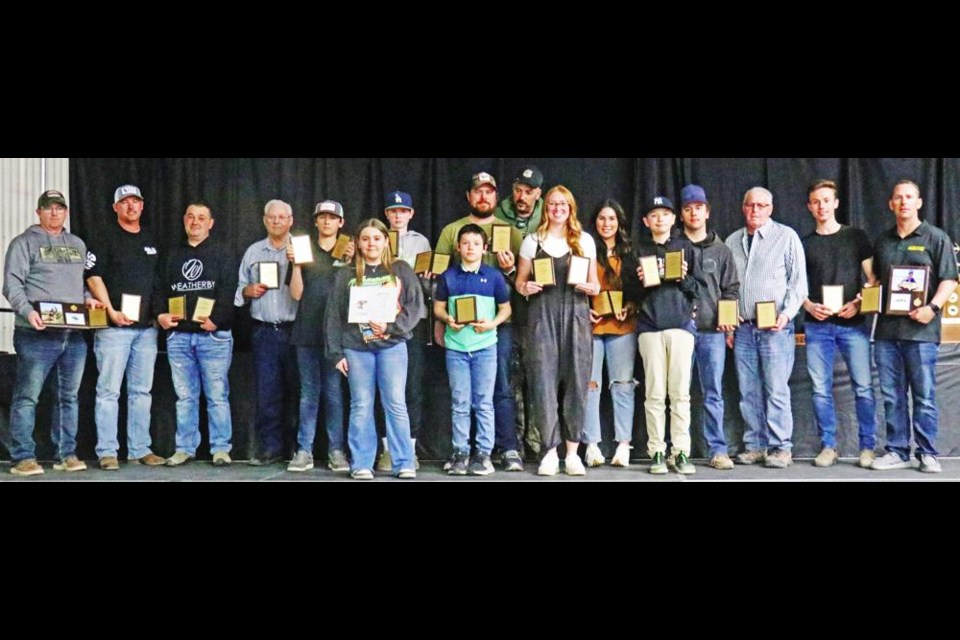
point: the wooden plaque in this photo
(907, 290)
(340, 249)
(651, 271)
(130, 306)
(672, 266)
(465, 310)
(579, 270)
(766, 315)
(728, 313)
(268, 274)
(501, 238)
(177, 307)
(422, 263)
(832, 297)
(601, 304)
(870, 299)
(440, 263)
(97, 318)
(203, 309)
(302, 249)
(543, 273)
(394, 238)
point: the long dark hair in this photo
(622, 246)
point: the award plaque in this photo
(302, 249)
(130, 307)
(579, 270)
(950, 324)
(543, 272)
(616, 301)
(97, 318)
(422, 263)
(69, 315)
(766, 315)
(952, 310)
(501, 238)
(340, 249)
(269, 274)
(908, 289)
(651, 271)
(465, 310)
(203, 309)
(672, 266)
(870, 298)
(601, 304)
(394, 238)
(177, 307)
(728, 313)
(832, 297)
(439, 263)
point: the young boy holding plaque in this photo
(666, 332)
(472, 300)
(839, 260)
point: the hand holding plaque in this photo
(302, 249)
(766, 315)
(543, 273)
(465, 310)
(339, 250)
(651, 271)
(201, 313)
(579, 270)
(832, 297)
(728, 313)
(269, 274)
(672, 266)
(394, 237)
(177, 307)
(130, 307)
(907, 289)
(501, 238)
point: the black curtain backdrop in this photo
(238, 188)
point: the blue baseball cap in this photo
(398, 200)
(693, 193)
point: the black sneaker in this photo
(481, 465)
(265, 460)
(458, 466)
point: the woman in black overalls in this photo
(561, 335)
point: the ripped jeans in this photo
(621, 355)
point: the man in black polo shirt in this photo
(906, 346)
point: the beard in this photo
(483, 214)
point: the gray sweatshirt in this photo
(43, 267)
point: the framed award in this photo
(130, 306)
(832, 297)
(672, 266)
(177, 307)
(465, 310)
(543, 272)
(440, 263)
(203, 309)
(394, 238)
(302, 249)
(422, 263)
(579, 270)
(651, 271)
(268, 274)
(601, 304)
(97, 318)
(870, 298)
(67, 315)
(340, 249)
(728, 313)
(616, 301)
(766, 315)
(501, 238)
(907, 289)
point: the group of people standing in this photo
(525, 367)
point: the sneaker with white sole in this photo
(573, 466)
(594, 457)
(722, 462)
(682, 464)
(550, 464)
(929, 464)
(385, 463)
(512, 461)
(751, 457)
(778, 459)
(659, 465)
(302, 461)
(480, 465)
(826, 458)
(867, 456)
(70, 464)
(337, 461)
(622, 456)
(889, 462)
(179, 458)
(361, 474)
(406, 474)
(28, 467)
(221, 459)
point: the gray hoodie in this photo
(713, 266)
(43, 267)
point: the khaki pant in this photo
(667, 365)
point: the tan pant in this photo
(667, 365)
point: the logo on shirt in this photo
(192, 269)
(91, 261)
(916, 247)
(150, 251)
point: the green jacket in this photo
(506, 212)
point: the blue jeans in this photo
(318, 377)
(621, 355)
(472, 379)
(39, 352)
(710, 356)
(386, 370)
(201, 359)
(132, 352)
(276, 365)
(902, 364)
(823, 341)
(764, 363)
(504, 403)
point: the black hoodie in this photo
(207, 270)
(717, 274)
(671, 305)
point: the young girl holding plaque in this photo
(614, 336)
(372, 354)
(561, 344)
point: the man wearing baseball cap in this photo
(121, 265)
(714, 269)
(482, 198)
(45, 264)
(525, 209)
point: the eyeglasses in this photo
(757, 205)
(277, 218)
(558, 204)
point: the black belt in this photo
(277, 326)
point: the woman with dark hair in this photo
(373, 355)
(561, 335)
(614, 337)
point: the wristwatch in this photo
(935, 308)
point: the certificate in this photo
(302, 249)
(908, 289)
(579, 270)
(766, 315)
(651, 271)
(833, 297)
(543, 272)
(465, 310)
(394, 238)
(440, 263)
(130, 306)
(340, 249)
(203, 309)
(870, 299)
(672, 266)
(373, 304)
(728, 313)
(422, 263)
(269, 274)
(177, 307)
(501, 238)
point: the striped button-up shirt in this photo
(772, 268)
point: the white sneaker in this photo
(550, 464)
(573, 466)
(622, 457)
(594, 456)
(890, 461)
(929, 464)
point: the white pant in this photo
(667, 365)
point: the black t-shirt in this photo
(926, 246)
(836, 259)
(318, 277)
(127, 263)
